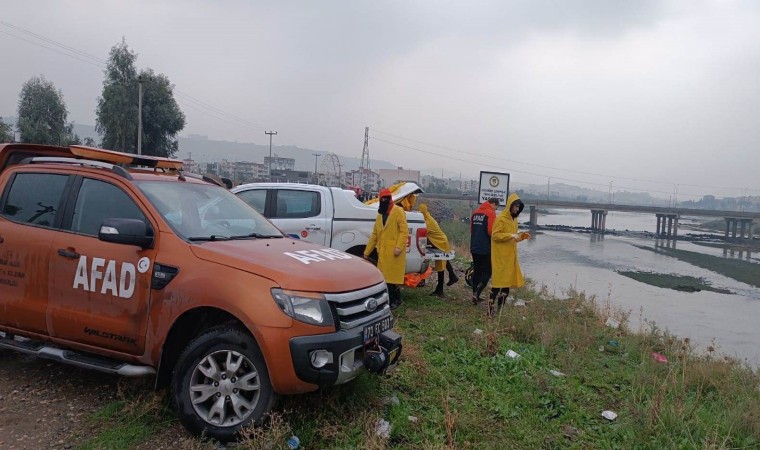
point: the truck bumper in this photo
(343, 354)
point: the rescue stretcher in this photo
(435, 254)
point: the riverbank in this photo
(458, 387)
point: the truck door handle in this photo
(1, 240)
(313, 227)
(67, 254)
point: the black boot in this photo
(394, 294)
(453, 278)
(438, 292)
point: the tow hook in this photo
(382, 356)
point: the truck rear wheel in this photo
(221, 384)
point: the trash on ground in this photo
(613, 343)
(477, 332)
(293, 442)
(612, 323)
(556, 373)
(513, 354)
(413, 419)
(609, 415)
(601, 348)
(383, 429)
(519, 303)
(659, 357)
(393, 400)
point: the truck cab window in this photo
(35, 198)
(256, 198)
(292, 204)
(98, 201)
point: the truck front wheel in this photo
(221, 384)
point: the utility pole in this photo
(140, 80)
(270, 133)
(316, 178)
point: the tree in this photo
(42, 114)
(117, 107)
(6, 132)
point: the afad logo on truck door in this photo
(100, 275)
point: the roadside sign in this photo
(493, 184)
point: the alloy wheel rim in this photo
(225, 388)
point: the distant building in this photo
(390, 177)
(354, 178)
(291, 176)
(280, 163)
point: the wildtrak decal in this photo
(116, 337)
(102, 273)
(325, 254)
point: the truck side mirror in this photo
(126, 231)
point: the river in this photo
(588, 262)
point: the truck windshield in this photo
(201, 212)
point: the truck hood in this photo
(293, 264)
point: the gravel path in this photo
(48, 405)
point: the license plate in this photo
(373, 330)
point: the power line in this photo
(470, 161)
(54, 42)
(79, 55)
(561, 169)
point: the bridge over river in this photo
(739, 224)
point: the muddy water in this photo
(588, 262)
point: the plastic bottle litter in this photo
(413, 419)
(613, 343)
(659, 357)
(609, 415)
(293, 442)
(477, 332)
(612, 323)
(513, 354)
(556, 373)
(383, 429)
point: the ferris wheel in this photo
(331, 170)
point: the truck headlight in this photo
(307, 307)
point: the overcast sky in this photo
(651, 95)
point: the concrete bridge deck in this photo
(739, 224)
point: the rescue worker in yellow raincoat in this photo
(506, 267)
(389, 236)
(437, 238)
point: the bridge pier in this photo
(734, 224)
(533, 217)
(598, 220)
(667, 225)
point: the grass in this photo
(462, 391)
(739, 270)
(131, 420)
(683, 283)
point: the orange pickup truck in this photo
(128, 265)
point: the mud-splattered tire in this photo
(221, 384)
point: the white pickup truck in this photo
(332, 216)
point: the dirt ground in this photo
(46, 405)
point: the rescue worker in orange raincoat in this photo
(438, 239)
(389, 236)
(505, 265)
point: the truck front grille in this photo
(353, 309)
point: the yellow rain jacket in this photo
(505, 266)
(435, 236)
(394, 233)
